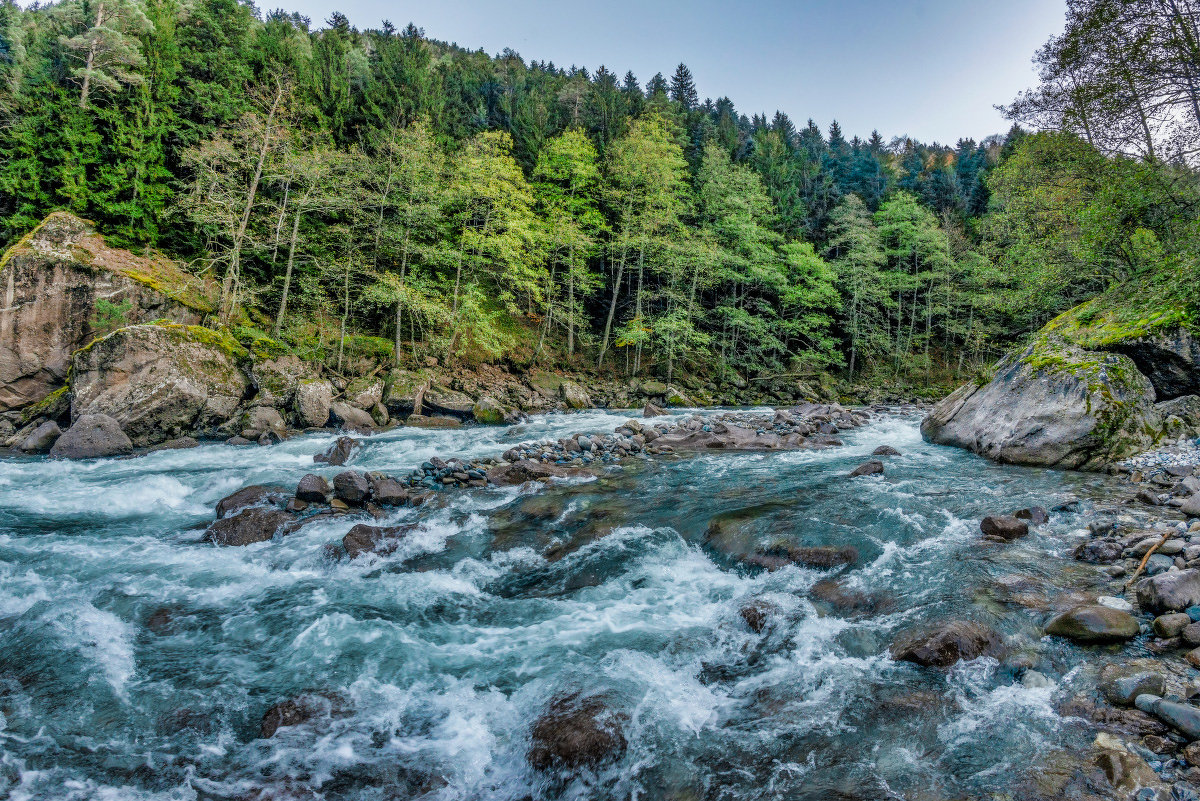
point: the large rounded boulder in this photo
(91, 437)
(160, 380)
(1053, 404)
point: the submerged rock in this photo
(943, 646)
(301, 709)
(508, 475)
(885, 450)
(92, 436)
(254, 495)
(374, 539)
(870, 468)
(1094, 625)
(339, 452)
(575, 732)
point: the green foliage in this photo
(108, 316)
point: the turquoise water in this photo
(136, 662)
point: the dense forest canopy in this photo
(375, 192)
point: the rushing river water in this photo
(136, 662)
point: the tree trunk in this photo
(287, 275)
(91, 61)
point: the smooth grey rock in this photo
(92, 436)
(1170, 625)
(1122, 688)
(1169, 592)
(1005, 527)
(351, 487)
(313, 489)
(42, 439)
(344, 414)
(869, 468)
(1094, 625)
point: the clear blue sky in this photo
(931, 69)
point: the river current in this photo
(137, 662)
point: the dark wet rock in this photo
(507, 475)
(254, 495)
(177, 444)
(387, 491)
(339, 452)
(238, 441)
(92, 436)
(1035, 515)
(255, 524)
(756, 615)
(575, 732)
(161, 621)
(885, 450)
(1094, 625)
(313, 489)
(301, 709)
(832, 596)
(1116, 720)
(943, 646)
(1171, 624)
(821, 557)
(871, 468)
(1099, 552)
(1169, 592)
(1121, 684)
(42, 439)
(1003, 527)
(374, 539)
(351, 487)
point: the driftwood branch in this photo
(1142, 565)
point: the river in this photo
(137, 663)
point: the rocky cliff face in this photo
(51, 282)
(1092, 389)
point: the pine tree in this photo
(683, 88)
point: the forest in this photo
(378, 193)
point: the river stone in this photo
(437, 421)
(1113, 602)
(260, 420)
(1094, 625)
(300, 709)
(92, 436)
(254, 524)
(254, 495)
(1054, 415)
(1004, 527)
(1191, 507)
(576, 732)
(869, 468)
(1170, 625)
(820, 557)
(947, 644)
(1121, 686)
(343, 414)
(1169, 592)
(313, 489)
(374, 539)
(42, 439)
(351, 487)
(488, 411)
(575, 396)
(885, 450)
(387, 491)
(1191, 634)
(339, 452)
(650, 410)
(508, 475)
(1099, 552)
(756, 615)
(312, 402)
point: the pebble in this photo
(1115, 603)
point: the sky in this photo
(930, 69)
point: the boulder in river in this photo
(1094, 625)
(1191, 506)
(254, 495)
(1121, 684)
(1169, 592)
(436, 421)
(574, 732)
(92, 436)
(650, 410)
(1052, 404)
(575, 396)
(250, 525)
(301, 709)
(947, 644)
(885, 450)
(1003, 527)
(1035, 515)
(820, 557)
(869, 468)
(42, 438)
(488, 411)
(1184, 718)
(313, 489)
(351, 487)
(387, 491)
(339, 452)
(160, 381)
(364, 538)
(508, 475)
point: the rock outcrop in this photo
(91, 437)
(160, 381)
(61, 283)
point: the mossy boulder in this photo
(489, 411)
(403, 388)
(365, 392)
(160, 381)
(1052, 404)
(63, 286)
